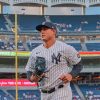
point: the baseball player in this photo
(55, 79)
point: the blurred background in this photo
(78, 24)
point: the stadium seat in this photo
(26, 94)
(93, 46)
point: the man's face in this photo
(47, 33)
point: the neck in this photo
(49, 43)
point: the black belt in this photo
(52, 89)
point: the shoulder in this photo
(66, 47)
(63, 44)
(37, 49)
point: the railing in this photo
(68, 33)
(51, 2)
(81, 33)
(80, 2)
(93, 2)
(5, 1)
(31, 1)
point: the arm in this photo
(74, 72)
(37, 70)
(74, 60)
(32, 77)
(76, 69)
(30, 69)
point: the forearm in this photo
(31, 77)
(76, 69)
(29, 74)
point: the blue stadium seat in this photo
(26, 94)
(2, 23)
(4, 96)
(20, 46)
(29, 22)
(76, 23)
(64, 23)
(94, 88)
(77, 46)
(93, 46)
(2, 45)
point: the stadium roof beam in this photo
(37, 3)
(68, 3)
(94, 3)
(5, 2)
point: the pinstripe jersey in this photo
(58, 59)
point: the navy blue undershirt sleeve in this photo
(76, 69)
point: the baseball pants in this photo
(64, 93)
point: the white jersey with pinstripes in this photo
(58, 58)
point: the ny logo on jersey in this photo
(56, 59)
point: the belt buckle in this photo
(53, 89)
(48, 91)
(61, 86)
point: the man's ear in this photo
(55, 31)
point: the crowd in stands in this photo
(22, 95)
(10, 45)
(26, 94)
(63, 23)
(91, 92)
(4, 96)
(22, 46)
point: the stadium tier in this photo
(27, 23)
(76, 23)
(76, 45)
(93, 46)
(91, 92)
(4, 96)
(90, 46)
(26, 94)
(93, 88)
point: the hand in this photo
(35, 78)
(66, 78)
